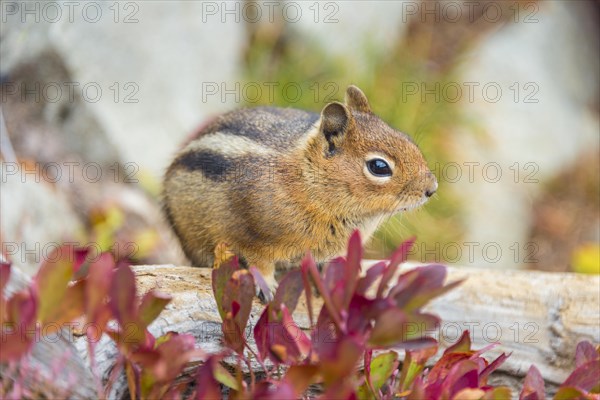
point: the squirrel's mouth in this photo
(411, 206)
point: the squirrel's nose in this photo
(433, 185)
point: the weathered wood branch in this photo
(538, 317)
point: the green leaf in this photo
(498, 393)
(463, 345)
(52, 280)
(382, 367)
(152, 305)
(71, 306)
(364, 393)
(224, 377)
(413, 365)
(568, 393)
(394, 327)
(300, 376)
(220, 278)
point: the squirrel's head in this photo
(365, 166)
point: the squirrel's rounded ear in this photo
(335, 121)
(356, 100)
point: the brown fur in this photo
(286, 181)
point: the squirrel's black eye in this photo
(379, 167)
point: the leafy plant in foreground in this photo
(362, 324)
(583, 383)
(101, 295)
(351, 349)
(362, 320)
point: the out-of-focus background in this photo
(501, 96)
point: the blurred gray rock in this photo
(36, 217)
(551, 121)
(148, 59)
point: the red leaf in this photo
(19, 329)
(352, 270)
(4, 275)
(335, 271)
(99, 278)
(354, 254)
(261, 333)
(174, 354)
(299, 377)
(291, 337)
(394, 327)
(533, 387)
(289, 290)
(207, 386)
(398, 257)
(360, 313)
(307, 264)
(79, 256)
(462, 345)
(463, 375)
(239, 289)
(23, 306)
(417, 287)
(278, 337)
(220, 277)
(443, 366)
(4, 278)
(235, 308)
(421, 356)
(123, 295)
(585, 377)
(145, 357)
(340, 390)
(494, 365)
(282, 391)
(585, 353)
(325, 334)
(342, 361)
(232, 334)
(418, 344)
(123, 305)
(372, 274)
(329, 307)
(233, 286)
(336, 282)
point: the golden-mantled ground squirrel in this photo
(273, 183)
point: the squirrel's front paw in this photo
(266, 296)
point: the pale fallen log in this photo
(539, 317)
